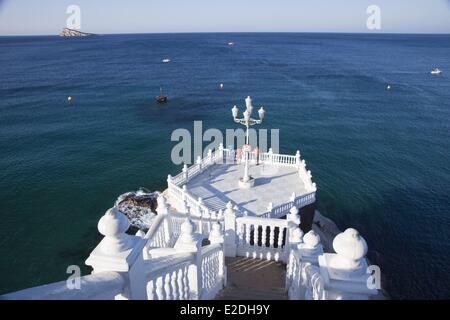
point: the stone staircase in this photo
(254, 279)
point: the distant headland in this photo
(66, 32)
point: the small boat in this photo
(161, 98)
(231, 43)
(388, 87)
(166, 60)
(436, 72)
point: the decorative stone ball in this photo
(161, 200)
(297, 235)
(140, 234)
(216, 230)
(311, 239)
(187, 227)
(350, 245)
(294, 211)
(113, 223)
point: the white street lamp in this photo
(247, 181)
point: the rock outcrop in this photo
(74, 33)
(139, 207)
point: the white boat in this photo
(231, 43)
(166, 60)
(436, 72)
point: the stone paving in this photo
(219, 184)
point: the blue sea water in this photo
(380, 159)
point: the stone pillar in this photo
(190, 241)
(120, 252)
(216, 237)
(270, 156)
(293, 221)
(270, 209)
(311, 248)
(345, 272)
(220, 158)
(185, 173)
(163, 207)
(199, 162)
(297, 158)
(230, 231)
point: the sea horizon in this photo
(379, 157)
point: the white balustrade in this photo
(261, 238)
(167, 277)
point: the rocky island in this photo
(66, 32)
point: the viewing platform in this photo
(219, 233)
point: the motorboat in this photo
(436, 72)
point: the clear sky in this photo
(27, 17)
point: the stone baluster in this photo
(264, 236)
(230, 230)
(256, 234)
(190, 241)
(248, 234)
(280, 238)
(167, 286)
(120, 252)
(270, 156)
(271, 236)
(345, 272)
(174, 284)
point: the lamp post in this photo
(247, 181)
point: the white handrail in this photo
(303, 279)
(212, 270)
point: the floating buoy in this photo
(69, 99)
(221, 86)
(388, 87)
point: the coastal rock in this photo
(66, 32)
(139, 207)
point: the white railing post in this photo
(297, 158)
(185, 173)
(221, 156)
(345, 272)
(120, 252)
(311, 248)
(230, 231)
(270, 153)
(209, 155)
(163, 209)
(216, 237)
(199, 163)
(270, 209)
(189, 241)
